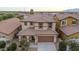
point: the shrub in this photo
(74, 46)
(62, 46)
(24, 44)
(12, 47)
(2, 44)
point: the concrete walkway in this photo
(46, 46)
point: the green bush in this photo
(24, 45)
(62, 46)
(22, 42)
(2, 44)
(74, 46)
(12, 47)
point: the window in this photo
(31, 23)
(74, 22)
(63, 22)
(50, 25)
(40, 25)
(2, 36)
(23, 37)
(25, 23)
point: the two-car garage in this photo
(46, 43)
(45, 38)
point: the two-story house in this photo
(67, 25)
(39, 27)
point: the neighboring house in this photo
(9, 28)
(67, 25)
(39, 27)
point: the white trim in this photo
(27, 38)
(55, 38)
(36, 39)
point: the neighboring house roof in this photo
(69, 30)
(32, 31)
(65, 15)
(39, 17)
(9, 25)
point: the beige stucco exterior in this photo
(36, 26)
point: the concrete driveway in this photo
(46, 46)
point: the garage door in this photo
(45, 39)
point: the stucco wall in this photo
(45, 26)
(69, 21)
(36, 26)
(25, 26)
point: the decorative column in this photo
(27, 38)
(67, 48)
(36, 39)
(55, 38)
(19, 38)
(28, 24)
(53, 26)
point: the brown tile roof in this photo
(39, 17)
(65, 15)
(28, 31)
(32, 31)
(9, 25)
(68, 30)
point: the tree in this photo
(2, 44)
(5, 16)
(12, 47)
(31, 11)
(1, 17)
(10, 15)
(20, 16)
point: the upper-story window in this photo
(40, 25)
(25, 23)
(74, 21)
(31, 23)
(50, 25)
(2, 36)
(63, 23)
